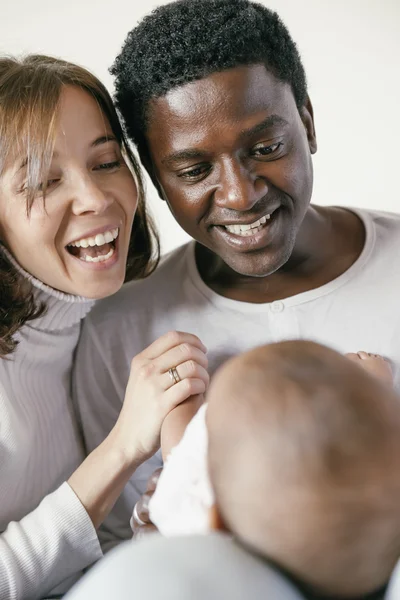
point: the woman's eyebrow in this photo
(103, 140)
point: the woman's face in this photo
(77, 240)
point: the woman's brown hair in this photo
(30, 91)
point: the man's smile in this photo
(252, 236)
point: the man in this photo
(214, 94)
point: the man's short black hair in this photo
(187, 40)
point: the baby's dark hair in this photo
(188, 40)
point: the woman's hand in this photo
(151, 393)
(141, 523)
(150, 396)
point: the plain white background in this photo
(351, 51)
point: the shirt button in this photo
(277, 307)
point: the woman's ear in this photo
(215, 519)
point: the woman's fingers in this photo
(187, 359)
(141, 515)
(187, 370)
(170, 340)
(152, 393)
(141, 532)
(141, 523)
(153, 480)
(181, 354)
(181, 391)
(141, 510)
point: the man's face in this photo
(231, 154)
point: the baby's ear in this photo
(215, 520)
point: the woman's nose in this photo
(90, 197)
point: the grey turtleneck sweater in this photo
(46, 537)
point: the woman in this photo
(67, 204)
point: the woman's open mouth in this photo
(96, 249)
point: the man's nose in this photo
(239, 189)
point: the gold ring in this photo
(173, 373)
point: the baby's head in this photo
(304, 457)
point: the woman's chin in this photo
(94, 286)
(96, 280)
(96, 290)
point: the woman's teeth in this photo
(98, 248)
(246, 230)
(98, 240)
(99, 258)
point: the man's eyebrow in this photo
(187, 154)
(190, 154)
(267, 123)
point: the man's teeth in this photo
(98, 240)
(96, 259)
(246, 230)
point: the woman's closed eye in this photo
(49, 184)
(41, 187)
(108, 166)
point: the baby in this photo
(304, 456)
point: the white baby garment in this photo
(182, 500)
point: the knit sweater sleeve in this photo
(50, 544)
(101, 372)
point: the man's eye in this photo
(108, 166)
(262, 150)
(195, 173)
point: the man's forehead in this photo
(251, 84)
(242, 96)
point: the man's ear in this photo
(307, 116)
(215, 519)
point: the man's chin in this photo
(226, 265)
(260, 266)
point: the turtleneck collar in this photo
(63, 310)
